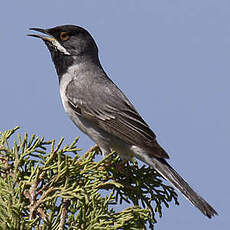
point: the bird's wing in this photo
(104, 104)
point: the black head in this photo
(68, 44)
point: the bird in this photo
(102, 111)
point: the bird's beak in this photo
(49, 41)
(44, 38)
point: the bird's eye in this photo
(64, 36)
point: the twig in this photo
(65, 204)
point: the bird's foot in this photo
(121, 166)
(93, 148)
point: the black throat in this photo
(63, 61)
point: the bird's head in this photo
(68, 44)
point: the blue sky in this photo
(171, 58)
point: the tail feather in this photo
(162, 167)
(172, 176)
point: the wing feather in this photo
(113, 112)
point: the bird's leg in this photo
(93, 148)
(121, 166)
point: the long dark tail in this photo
(172, 176)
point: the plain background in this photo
(170, 57)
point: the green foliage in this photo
(46, 186)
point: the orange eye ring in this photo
(64, 36)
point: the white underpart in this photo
(59, 46)
(66, 79)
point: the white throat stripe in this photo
(59, 46)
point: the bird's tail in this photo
(162, 167)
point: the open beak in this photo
(44, 38)
(50, 41)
